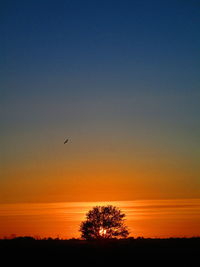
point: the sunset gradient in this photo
(120, 80)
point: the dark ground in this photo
(128, 252)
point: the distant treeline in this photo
(14, 237)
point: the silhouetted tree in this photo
(104, 222)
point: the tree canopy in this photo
(104, 222)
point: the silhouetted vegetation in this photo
(104, 252)
(104, 222)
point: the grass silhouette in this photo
(124, 252)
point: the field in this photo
(124, 252)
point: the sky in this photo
(144, 218)
(120, 79)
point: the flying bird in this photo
(66, 141)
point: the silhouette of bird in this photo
(66, 141)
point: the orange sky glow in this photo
(147, 218)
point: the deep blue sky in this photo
(132, 41)
(110, 73)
